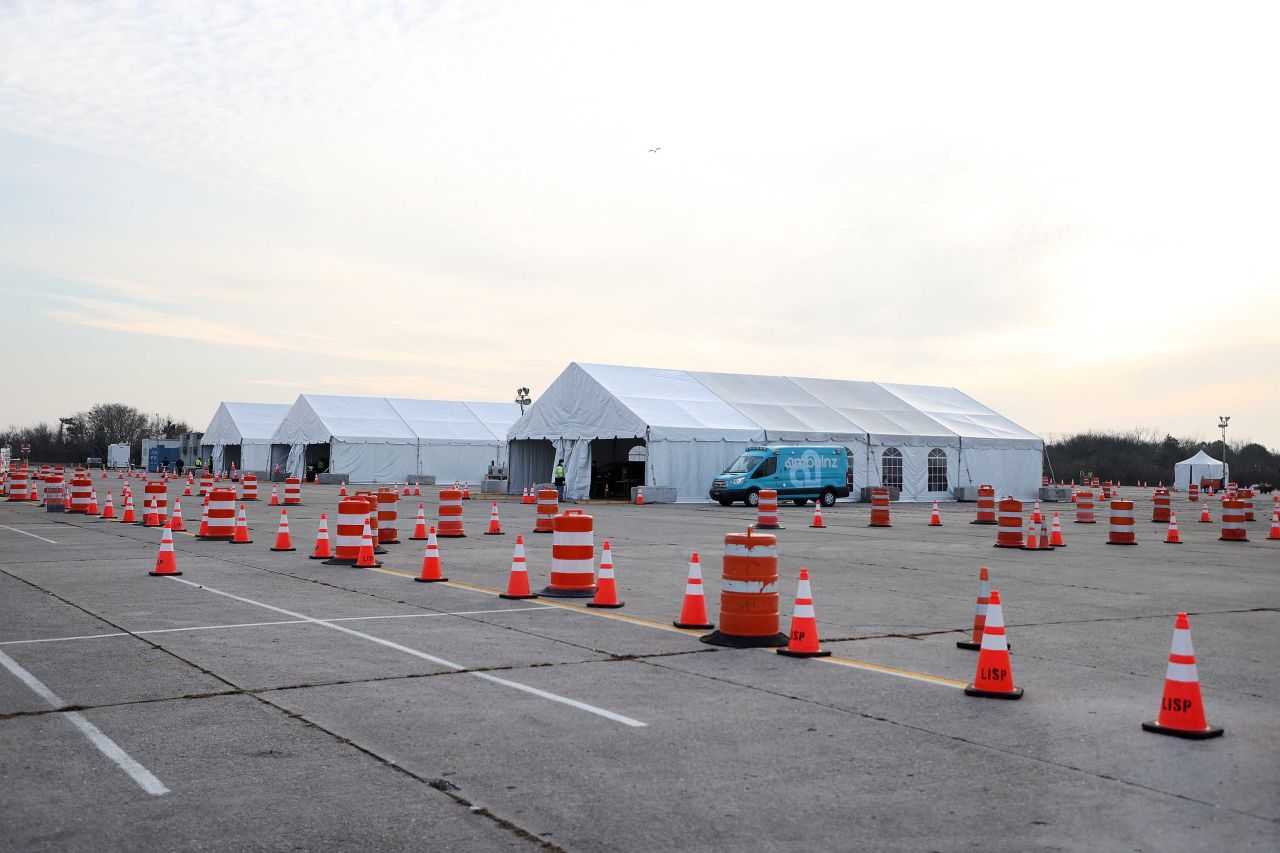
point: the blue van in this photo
(798, 473)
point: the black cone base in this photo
(314, 557)
(544, 531)
(516, 597)
(213, 538)
(174, 574)
(694, 626)
(284, 549)
(569, 593)
(499, 533)
(242, 542)
(735, 641)
(374, 565)
(968, 644)
(431, 580)
(1015, 693)
(982, 522)
(607, 606)
(1109, 542)
(1189, 734)
(770, 527)
(821, 653)
(334, 561)
(1167, 542)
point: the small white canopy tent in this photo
(380, 440)
(694, 423)
(248, 426)
(1197, 468)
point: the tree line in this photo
(1142, 455)
(86, 434)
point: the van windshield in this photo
(743, 464)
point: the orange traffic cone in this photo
(466, 491)
(92, 509)
(1035, 513)
(1032, 540)
(935, 518)
(151, 514)
(241, 536)
(35, 494)
(364, 556)
(108, 509)
(405, 493)
(342, 492)
(1205, 518)
(1055, 535)
(1275, 526)
(284, 542)
(186, 490)
(1172, 537)
(639, 499)
(979, 615)
(176, 522)
(495, 526)
(204, 518)
(322, 550)
(817, 515)
(128, 516)
(1044, 536)
(606, 585)
(694, 612)
(518, 582)
(420, 525)
(803, 640)
(166, 562)
(1182, 709)
(994, 678)
(431, 568)
(417, 490)
(275, 496)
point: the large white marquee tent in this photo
(1199, 467)
(241, 433)
(386, 439)
(693, 424)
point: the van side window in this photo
(766, 468)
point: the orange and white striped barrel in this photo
(206, 482)
(388, 516)
(222, 514)
(1161, 505)
(879, 507)
(1084, 507)
(986, 505)
(548, 509)
(371, 516)
(54, 493)
(353, 514)
(449, 514)
(78, 501)
(749, 592)
(157, 491)
(293, 492)
(1193, 492)
(573, 556)
(767, 510)
(1120, 531)
(1009, 519)
(1245, 496)
(1233, 529)
(248, 486)
(19, 489)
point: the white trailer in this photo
(118, 455)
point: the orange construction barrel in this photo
(573, 556)
(880, 507)
(1009, 519)
(748, 592)
(986, 505)
(548, 509)
(221, 514)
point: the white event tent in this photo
(241, 433)
(1199, 467)
(693, 424)
(387, 439)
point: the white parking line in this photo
(141, 775)
(25, 533)
(264, 624)
(554, 697)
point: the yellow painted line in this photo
(649, 623)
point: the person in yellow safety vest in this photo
(199, 462)
(558, 476)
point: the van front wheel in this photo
(829, 497)
(753, 498)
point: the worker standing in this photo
(559, 479)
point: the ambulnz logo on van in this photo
(806, 468)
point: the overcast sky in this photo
(1069, 211)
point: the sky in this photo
(1067, 211)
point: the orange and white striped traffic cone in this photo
(495, 525)
(1055, 535)
(1275, 526)
(405, 493)
(365, 558)
(935, 517)
(817, 515)
(994, 677)
(518, 582)
(1205, 518)
(241, 536)
(166, 562)
(1035, 512)
(92, 509)
(417, 490)
(802, 642)
(151, 514)
(980, 614)
(284, 542)
(431, 568)
(108, 509)
(1031, 541)
(323, 550)
(1181, 708)
(420, 525)
(466, 491)
(693, 614)
(1172, 537)
(606, 584)
(275, 495)
(186, 490)
(342, 492)
(176, 522)
(639, 495)
(128, 516)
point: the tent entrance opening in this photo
(316, 457)
(231, 456)
(617, 464)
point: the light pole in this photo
(522, 399)
(1222, 425)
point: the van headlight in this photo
(736, 481)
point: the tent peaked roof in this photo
(1201, 458)
(318, 418)
(244, 423)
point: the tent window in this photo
(891, 468)
(937, 470)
